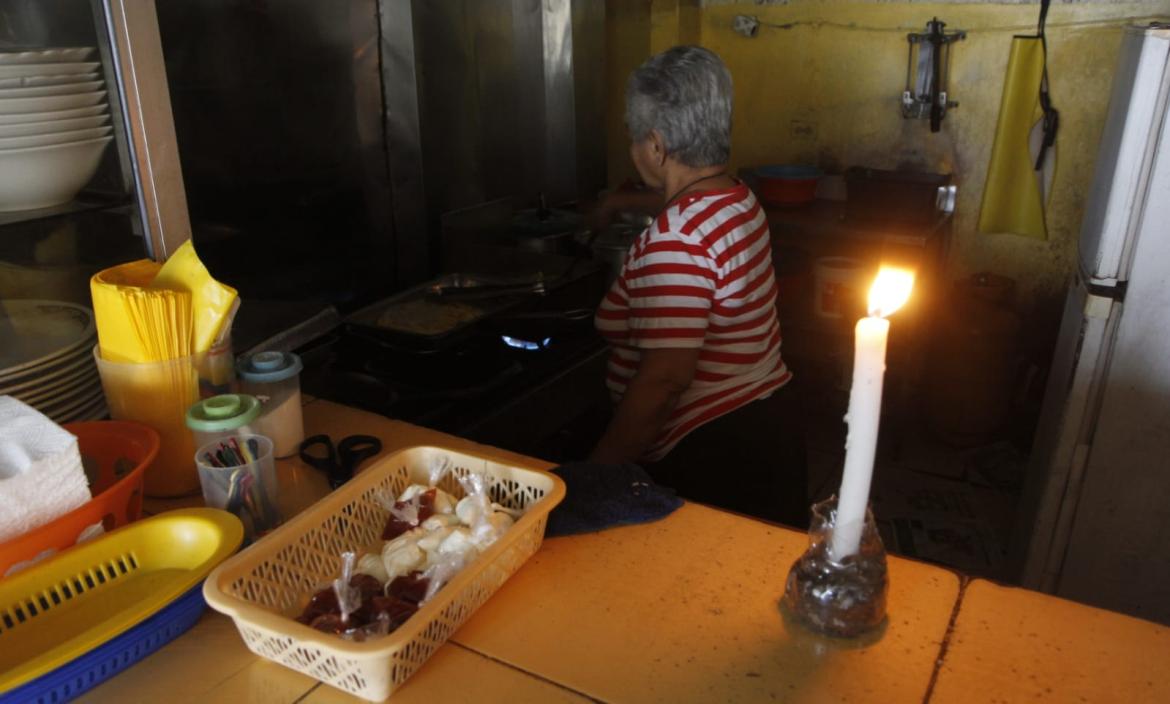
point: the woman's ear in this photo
(657, 147)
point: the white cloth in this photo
(41, 476)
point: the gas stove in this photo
(522, 380)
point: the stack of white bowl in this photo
(54, 125)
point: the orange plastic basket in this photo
(118, 452)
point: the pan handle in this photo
(572, 315)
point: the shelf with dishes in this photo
(55, 129)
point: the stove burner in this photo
(521, 344)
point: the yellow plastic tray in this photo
(264, 586)
(66, 606)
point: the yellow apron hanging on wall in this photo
(1016, 192)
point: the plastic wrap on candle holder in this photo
(845, 598)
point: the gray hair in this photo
(685, 94)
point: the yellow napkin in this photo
(211, 301)
(134, 324)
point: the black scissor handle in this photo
(352, 451)
(326, 463)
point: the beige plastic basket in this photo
(265, 586)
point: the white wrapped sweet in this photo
(402, 561)
(412, 491)
(458, 542)
(410, 537)
(469, 509)
(371, 564)
(444, 502)
(489, 530)
(434, 538)
(440, 520)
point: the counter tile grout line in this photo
(202, 695)
(946, 641)
(533, 675)
(314, 688)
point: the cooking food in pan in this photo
(424, 316)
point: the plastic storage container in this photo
(117, 454)
(274, 378)
(264, 587)
(243, 486)
(787, 185)
(157, 394)
(223, 416)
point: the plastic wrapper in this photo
(445, 567)
(429, 537)
(349, 598)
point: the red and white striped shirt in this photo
(701, 277)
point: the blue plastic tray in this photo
(102, 663)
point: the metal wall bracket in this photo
(928, 67)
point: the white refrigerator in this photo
(1094, 518)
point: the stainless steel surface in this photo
(279, 112)
(528, 36)
(468, 86)
(504, 112)
(560, 113)
(403, 135)
(589, 80)
(136, 53)
(390, 113)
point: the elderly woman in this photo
(695, 364)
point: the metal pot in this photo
(612, 245)
(546, 231)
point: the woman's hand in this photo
(650, 398)
(625, 199)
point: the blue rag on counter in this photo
(601, 496)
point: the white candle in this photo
(890, 290)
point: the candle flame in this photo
(890, 291)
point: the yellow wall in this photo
(826, 91)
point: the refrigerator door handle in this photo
(1113, 293)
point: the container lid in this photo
(267, 367)
(223, 412)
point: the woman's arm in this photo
(635, 200)
(651, 396)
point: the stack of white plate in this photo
(53, 126)
(46, 359)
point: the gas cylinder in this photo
(972, 361)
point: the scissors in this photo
(339, 463)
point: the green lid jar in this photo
(222, 416)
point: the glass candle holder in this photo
(843, 599)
